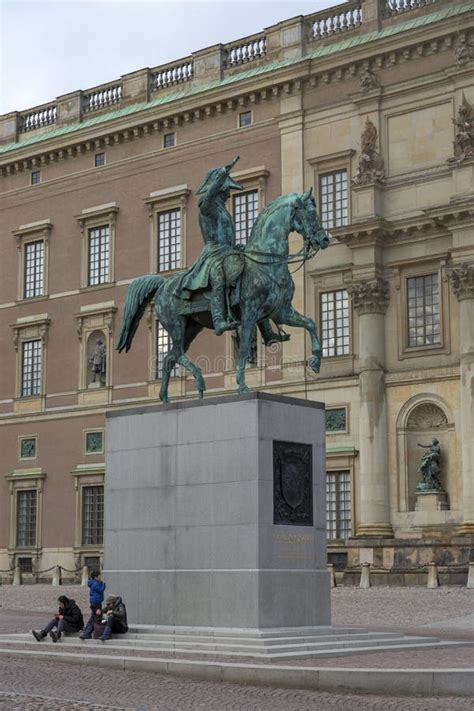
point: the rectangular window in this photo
(163, 346)
(36, 177)
(335, 323)
(423, 303)
(169, 240)
(169, 140)
(26, 518)
(99, 160)
(338, 502)
(92, 515)
(33, 269)
(245, 214)
(98, 257)
(333, 199)
(30, 368)
(26, 565)
(245, 119)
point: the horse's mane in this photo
(268, 212)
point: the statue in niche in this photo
(98, 362)
(464, 138)
(429, 467)
(371, 167)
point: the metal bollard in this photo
(85, 576)
(332, 575)
(17, 576)
(470, 575)
(365, 576)
(433, 580)
(56, 579)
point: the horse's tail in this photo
(139, 294)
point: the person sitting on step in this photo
(116, 614)
(67, 619)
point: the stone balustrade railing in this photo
(335, 20)
(101, 97)
(397, 7)
(291, 38)
(37, 118)
(246, 50)
(169, 75)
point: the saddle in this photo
(233, 265)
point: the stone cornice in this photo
(370, 296)
(373, 52)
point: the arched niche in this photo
(420, 420)
(96, 355)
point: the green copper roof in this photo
(322, 51)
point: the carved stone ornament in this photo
(369, 297)
(292, 484)
(463, 52)
(464, 138)
(462, 280)
(368, 80)
(427, 416)
(336, 420)
(371, 167)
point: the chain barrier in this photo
(463, 567)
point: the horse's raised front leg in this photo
(247, 329)
(290, 317)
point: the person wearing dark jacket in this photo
(67, 619)
(96, 597)
(116, 614)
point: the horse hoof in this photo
(244, 389)
(165, 399)
(315, 363)
(200, 394)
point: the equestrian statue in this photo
(231, 287)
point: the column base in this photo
(467, 529)
(374, 530)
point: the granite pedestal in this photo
(215, 513)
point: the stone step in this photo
(290, 651)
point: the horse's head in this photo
(305, 220)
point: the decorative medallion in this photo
(292, 483)
(28, 448)
(94, 442)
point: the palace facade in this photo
(370, 103)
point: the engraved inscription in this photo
(292, 484)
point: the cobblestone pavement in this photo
(44, 686)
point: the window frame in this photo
(84, 487)
(33, 381)
(235, 197)
(34, 328)
(333, 174)
(99, 155)
(26, 277)
(436, 344)
(33, 181)
(170, 266)
(164, 200)
(91, 234)
(337, 474)
(89, 219)
(26, 235)
(401, 272)
(249, 113)
(86, 475)
(30, 528)
(23, 480)
(168, 135)
(329, 163)
(328, 290)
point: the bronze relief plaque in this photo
(292, 483)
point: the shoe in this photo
(104, 639)
(85, 636)
(38, 635)
(54, 635)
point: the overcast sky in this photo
(52, 47)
